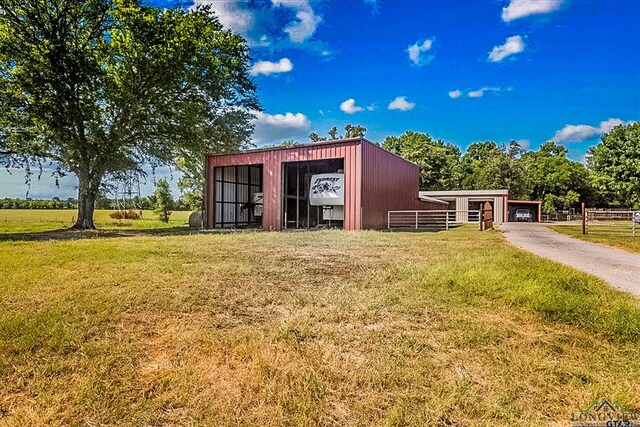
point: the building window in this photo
(238, 196)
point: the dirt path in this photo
(620, 269)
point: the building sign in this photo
(327, 189)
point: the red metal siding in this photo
(389, 182)
(271, 161)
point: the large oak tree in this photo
(102, 87)
(615, 163)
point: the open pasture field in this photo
(317, 328)
(34, 220)
(617, 234)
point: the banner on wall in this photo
(327, 189)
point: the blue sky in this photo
(463, 71)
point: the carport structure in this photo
(533, 206)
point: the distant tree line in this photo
(54, 203)
(102, 202)
(610, 178)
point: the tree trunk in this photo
(87, 194)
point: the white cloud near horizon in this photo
(267, 67)
(579, 133)
(349, 106)
(520, 8)
(400, 103)
(455, 94)
(274, 127)
(511, 46)
(418, 52)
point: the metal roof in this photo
(432, 199)
(298, 146)
(524, 202)
(465, 193)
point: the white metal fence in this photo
(430, 220)
(611, 222)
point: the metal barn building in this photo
(348, 183)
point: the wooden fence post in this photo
(584, 219)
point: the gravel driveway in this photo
(621, 269)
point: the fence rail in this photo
(611, 222)
(430, 220)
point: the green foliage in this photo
(102, 86)
(615, 163)
(487, 165)
(549, 204)
(314, 137)
(54, 203)
(549, 171)
(439, 161)
(350, 131)
(164, 201)
(288, 143)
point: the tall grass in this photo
(318, 328)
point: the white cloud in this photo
(524, 143)
(371, 107)
(262, 23)
(307, 21)
(455, 94)
(521, 8)
(349, 106)
(231, 14)
(401, 103)
(511, 46)
(579, 133)
(418, 52)
(274, 127)
(268, 67)
(479, 93)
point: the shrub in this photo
(128, 214)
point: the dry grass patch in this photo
(324, 328)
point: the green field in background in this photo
(35, 220)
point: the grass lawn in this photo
(317, 328)
(612, 235)
(37, 220)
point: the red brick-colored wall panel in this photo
(271, 161)
(389, 182)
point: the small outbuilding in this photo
(467, 203)
(348, 183)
